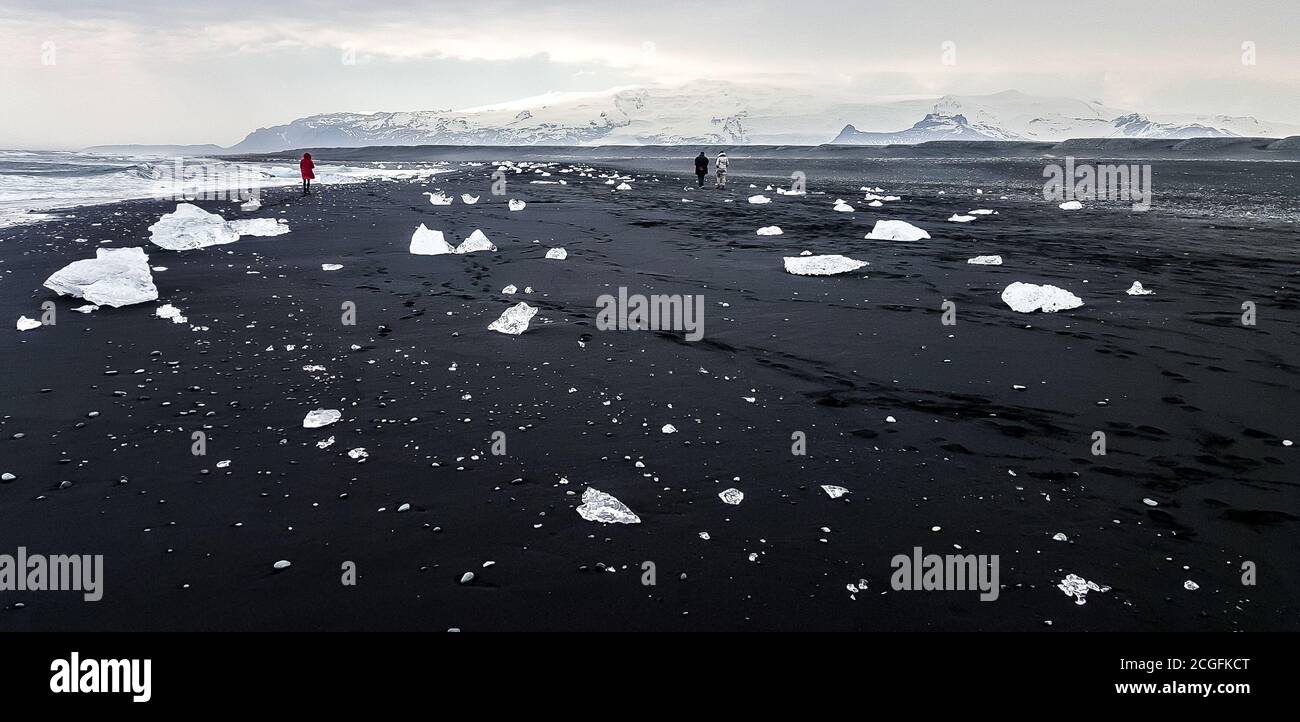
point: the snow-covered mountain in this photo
(939, 126)
(934, 126)
(717, 112)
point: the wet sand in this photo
(1195, 407)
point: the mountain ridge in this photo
(726, 113)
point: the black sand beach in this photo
(1195, 407)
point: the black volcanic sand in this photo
(1195, 407)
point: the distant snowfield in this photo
(721, 112)
(34, 182)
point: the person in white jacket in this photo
(721, 165)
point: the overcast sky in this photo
(79, 73)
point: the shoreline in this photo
(1195, 409)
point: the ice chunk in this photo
(27, 324)
(114, 277)
(842, 207)
(477, 241)
(252, 204)
(759, 199)
(1137, 290)
(1030, 297)
(954, 218)
(320, 417)
(622, 187)
(985, 260)
(516, 205)
(1076, 586)
(833, 491)
(896, 231)
(982, 212)
(468, 199)
(190, 227)
(259, 226)
(769, 231)
(426, 242)
(732, 496)
(1070, 206)
(88, 308)
(169, 311)
(510, 290)
(330, 266)
(514, 320)
(821, 265)
(439, 199)
(604, 508)
(557, 254)
(669, 429)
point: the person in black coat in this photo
(701, 167)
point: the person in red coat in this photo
(305, 165)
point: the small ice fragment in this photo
(821, 265)
(259, 226)
(27, 324)
(468, 199)
(954, 218)
(320, 417)
(1030, 297)
(557, 254)
(514, 320)
(1070, 206)
(897, 231)
(1137, 290)
(282, 564)
(1191, 586)
(439, 199)
(669, 429)
(510, 290)
(731, 496)
(331, 266)
(759, 199)
(842, 207)
(1150, 502)
(985, 260)
(833, 491)
(622, 187)
(1076, 586)
(1060, 536)
(769, 231)
(325, 443)
(88, 308)
(358, 453)
(516, 205)
(604, 508)
(477, 241)
(169, 311)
